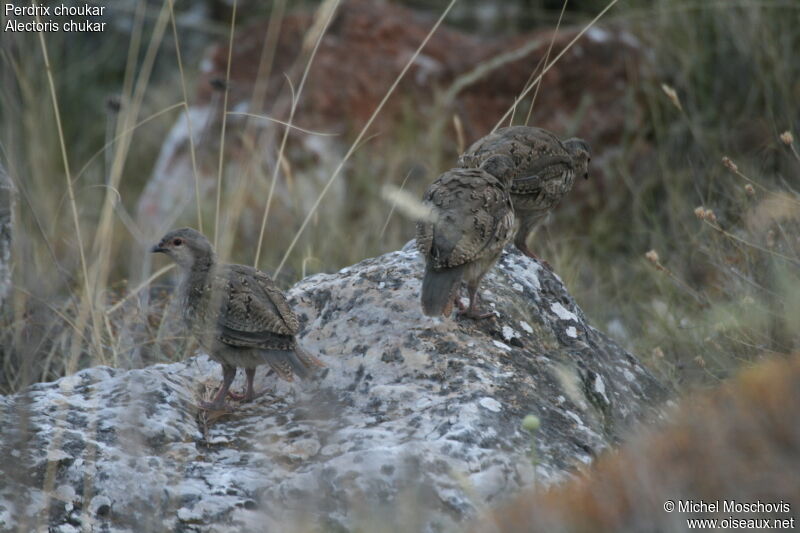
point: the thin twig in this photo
(102, 149)
(188, 118)
(733, 168)
(55, 310)
(295, 100)
(224, 122)
(394, 206)
(142, 285)
(752, 245)
(287, 124)
(104, 234)
(485, 68)
(546, 57)
(361, 135)
(557, 58)
(70, 191)
(251, 137)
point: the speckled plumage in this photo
(471, 221)
(236, 313)
(542, 169)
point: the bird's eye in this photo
(177, 242)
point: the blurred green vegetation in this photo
(723, 292)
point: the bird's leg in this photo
(472, 310)
(527, 251)
(218, 403)
(521, 243)
(249, 394)
(457, 298)
(527, 223)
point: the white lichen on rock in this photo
(563, 313)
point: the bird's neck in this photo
(198, 272)
(195, 286)
(203, 264)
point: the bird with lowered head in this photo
(541, 166)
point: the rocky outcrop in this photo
(415, 421)
(6, 224)
(474, 78)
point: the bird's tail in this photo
(438, 289)
(309, 362)
(288, 363)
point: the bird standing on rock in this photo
(541, 166)
(471, 221)
(236, 313)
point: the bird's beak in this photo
(158, 249)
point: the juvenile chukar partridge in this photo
(236, 313)
(541, 166)
(471, 220)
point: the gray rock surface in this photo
(7, 195)
(415, 425)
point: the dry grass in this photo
(720, 294)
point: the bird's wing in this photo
(253, 312)
(473, 216)
(424, 235)
(534, 175)
(538, 156)
(278, 300)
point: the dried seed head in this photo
(652, 256)
(771, 238)
(658, 353)
(749, 190)
(705, 214)
(672, 94)
(787, 138)
(700, 361)
(729, 164)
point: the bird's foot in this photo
(245, 397)
(235, 396)
(474, 314)
(527, 251)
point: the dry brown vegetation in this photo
(738, 444)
